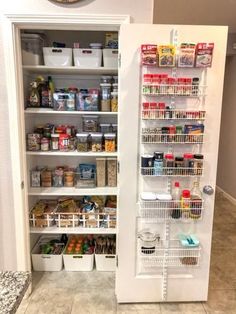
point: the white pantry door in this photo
(181, 284)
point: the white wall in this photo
(140, 12)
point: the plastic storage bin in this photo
(32, 49)
(78, 262)
(87, 57)
(57, 57)
(110, 58)
(46, 262)
(105, 262)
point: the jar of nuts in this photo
(82, 142)
(96, 142)
(110, 142)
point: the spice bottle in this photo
(198, 164)
(188, 163)
(158, 163)
(179, 165)
(55, 141)
(185, 203)
(169, 164)
(195, 86)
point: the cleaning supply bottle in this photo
(176, 195)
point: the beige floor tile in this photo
(221, 300)
(23, 306)
(183, 308)
(94, 301)
(139, 307)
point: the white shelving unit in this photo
(53, 191)
(74, 153)
(42, 111)
(76, 230)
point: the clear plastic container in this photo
(101, 172)
(105, 127)
(90, 123)
(105, 96)
(32, 49)
(96, 142)
(82, 142)
(110, 142)
(114, 101)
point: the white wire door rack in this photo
(171, 172)
(151, 137)
(174, 90)
(173, 114)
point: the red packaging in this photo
(162, 105)
(64, 142)
(153, 105)
(145, 105)
(149, 54)
(204, 55)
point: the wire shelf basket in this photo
(174, 90)
(173, 114)
(171, 138)
(171, 172)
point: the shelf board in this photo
(53, 191)
(74, 153)
(54, 112)
(69, 70)
(76, 230)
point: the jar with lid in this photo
(188, 163)
(96, 142)
(69, 178)
(64, 142)
(90, 123)
(45, 144)
(105, 96)
(82, 142)
(148, 240)
(114, 101)
(158, 163)
(55, 142)
(198, 164)
(33, 141)
(110, 142)
(106, 79)
(105, 127)
(179, 165)
(169, 164)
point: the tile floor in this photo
(80, 293)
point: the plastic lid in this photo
(179, 158)
(148, 196)
(186, 193)
(176, 184)
(110, 135)
(114, 93)
(96, 134)
(104, 124)
(95, 45)
(188, 155)
(55, 135)
(90, 117)
(82, 134)
(115, 84)
(169, 156)
(198, 156)
(31, 36)
(105, 84)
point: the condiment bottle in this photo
(158, 163)
(185, 203)
(169, 164)
(176, 195)
(198, 164)
(34, 98)
(196, 201)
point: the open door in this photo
(170, 272)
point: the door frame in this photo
(12, 24)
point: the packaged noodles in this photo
(204, 55)
(166, 55)
(186, 57)
(149, 54)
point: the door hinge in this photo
(119, 60)
(117, 262)
(118, 166)
(22, 185)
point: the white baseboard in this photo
(226, 195)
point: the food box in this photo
(42, 213)
(149, 54)
(110, 58)
(57, 57)
(105, 262)
(87, 57)
(67, 213)
(47, 262)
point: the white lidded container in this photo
(105, 262)
(32, 49)
(46, 262)
(110, 58)
(78, 262)
(89, 58)
(57, 57)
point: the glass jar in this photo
(69, 178)
(45, 144)
(110, 142)
(106, 79)
(105, 96)
(82, 142)
(114, 101)
(96, 142)
(57, 177)
(198, 164)
(55, 142)
(64, 142)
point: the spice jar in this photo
(82, 142)
(110, 142)
(64, 142)
(188, 163)
(179, 163)
(169, 164)
(45, 144)
(55, 142)
(105, 96)
(147, 82)
(114, 101)
(69, 178)
(96, 142)
(198, 164)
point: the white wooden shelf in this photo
(53, 191)
(69, 70)
(76, 230)
(54, 112)
(74, 153)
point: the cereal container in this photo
(111, 172)
(101, 172)
(82, 142)
(96, 142)
(110, 142)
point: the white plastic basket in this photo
(110, 58)
(87, 57)
(46, 262)
(57, 56)
(78, 262)
(105, 262)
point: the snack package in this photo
(166, 55)
(149, 54)
(111, 40)
(193, 129)
(64, 101)
(87, 100)
(204, 55)
(186, 57)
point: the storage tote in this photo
(110, 58)
(90, 58)
(57, 57)
(105, 262)
(78, 262)
(46, 262)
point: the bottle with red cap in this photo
(185, 203)
(176, 195)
